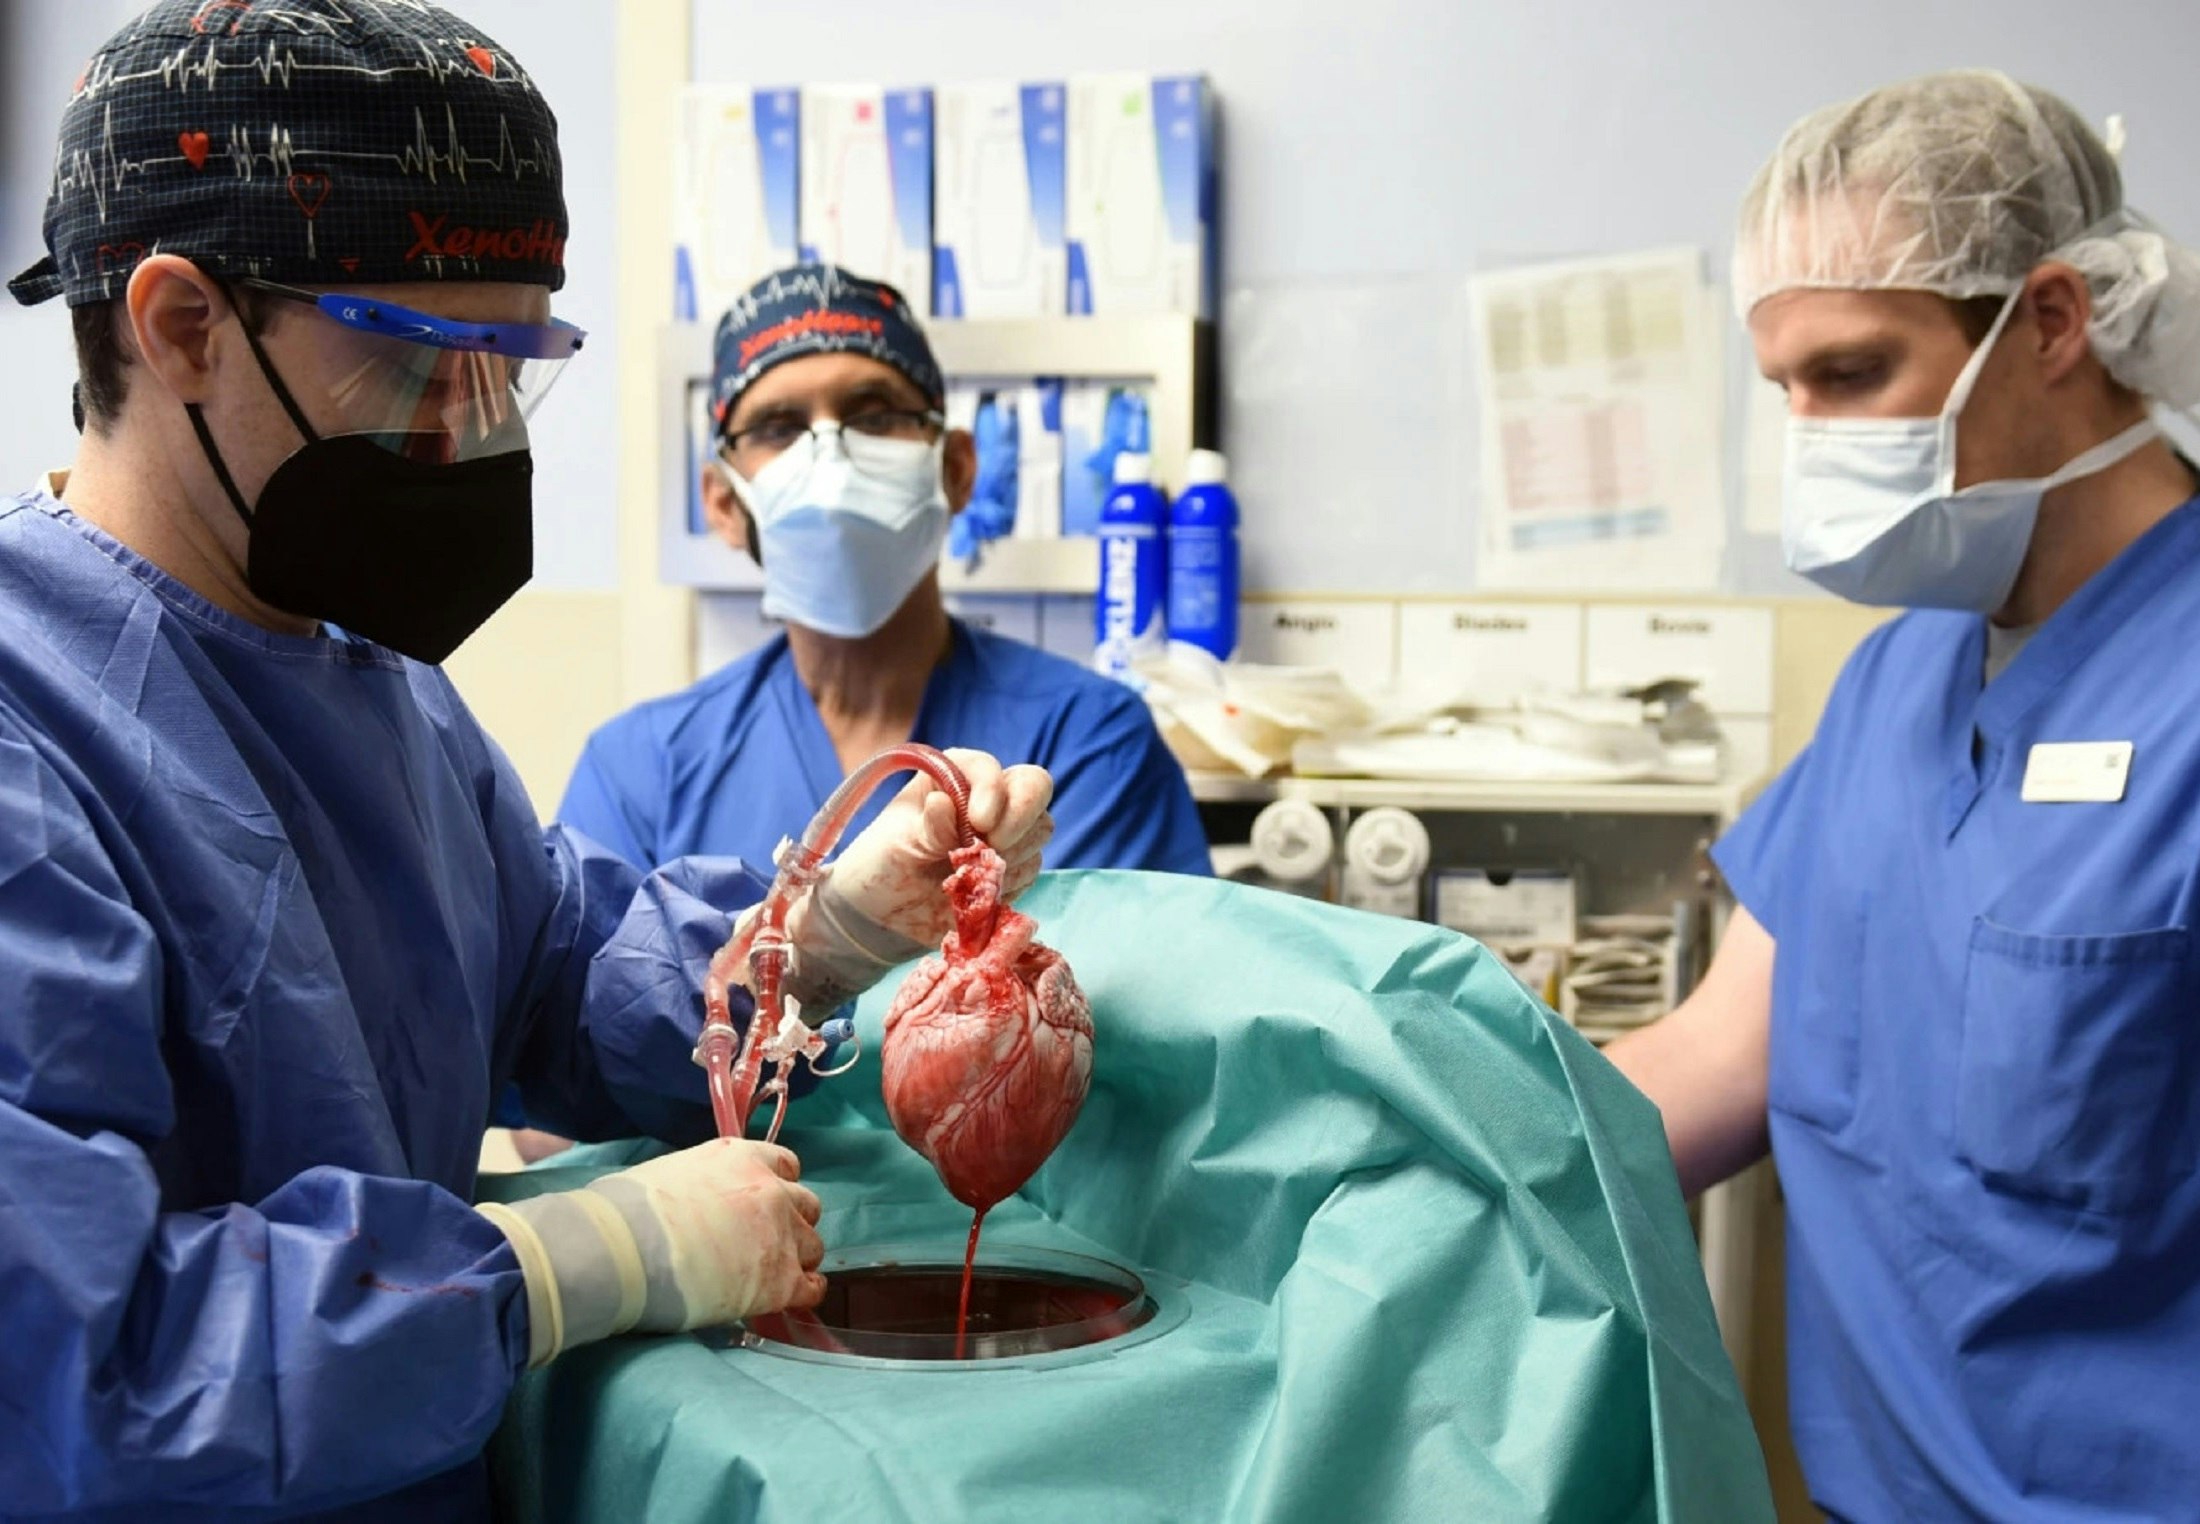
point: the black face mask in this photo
(413, 555)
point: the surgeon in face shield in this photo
(276, 918)
(834, 468)
(1957, 1000)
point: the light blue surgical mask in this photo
(1871, 512)
(843, 548)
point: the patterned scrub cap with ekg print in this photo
(312, 142)
(817, 309)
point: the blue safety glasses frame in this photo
(554, 340)
(427, 387)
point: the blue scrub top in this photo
(276, 920)
(1985, 1082)
(740, 760)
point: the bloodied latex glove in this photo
(709, 1235)
(881, 903)
(892, 875)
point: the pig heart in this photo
(988, 1047)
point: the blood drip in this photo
(970, 1264)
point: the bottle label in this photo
(1198, 578)
(1131, 601)
(1201, 555)
(1195, 606)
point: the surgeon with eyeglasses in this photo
(835, 469)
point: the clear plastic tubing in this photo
(734, 1065)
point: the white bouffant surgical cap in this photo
(1962, 184)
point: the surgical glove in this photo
(709, 1235)
(891, 875)
(838, 953)
(881, 903)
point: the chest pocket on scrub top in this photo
(1817, 972)
(2079, 1064)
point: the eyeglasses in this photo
(862, 435)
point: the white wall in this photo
(566, 44)
(1376, 150)
(43, 46)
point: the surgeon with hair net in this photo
(1960, 1000)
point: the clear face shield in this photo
(431, 389)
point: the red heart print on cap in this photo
(309, 189)
(198, 19)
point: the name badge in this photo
(2077, 772)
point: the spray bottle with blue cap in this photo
(1203, 558)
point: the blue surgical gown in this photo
(1985, 1082)
(742, 759)
(276, 919)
